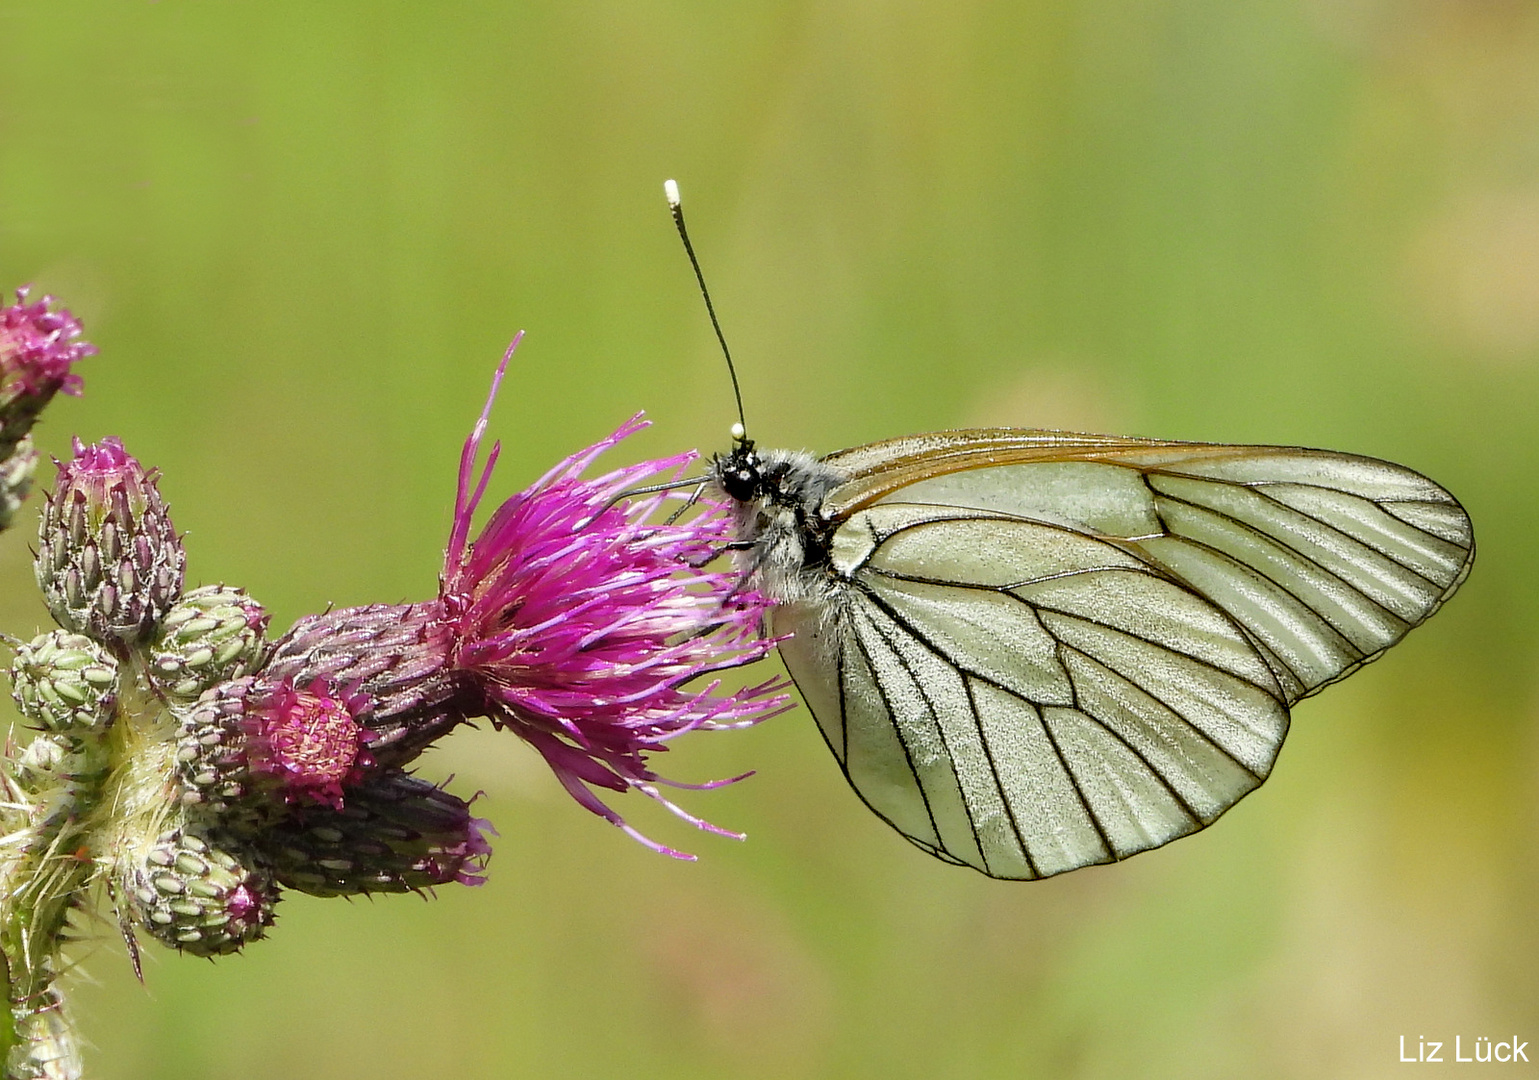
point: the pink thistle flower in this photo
(308, 741)
(586, 625)
(38, 346)
(574, 618)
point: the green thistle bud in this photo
(394, 833)
(16, 474)
(209, 636)
(198, 895)
(211, 749)
(64, 681)
(108, 559)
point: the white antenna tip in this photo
(738, 431)
(671, 189)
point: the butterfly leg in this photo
(694, 497)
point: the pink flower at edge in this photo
(584, 622)
(38, 346)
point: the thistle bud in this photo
(109, 561)
(37, 348)
(250, 746)
(211, 749)
(64, 681)
(397, 654)
(199, 895)
(16, 474)
(395, 833)
(211, 635)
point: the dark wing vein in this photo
(999, 784)
(1147, 764)
(1385, 552)
(924, 639)
(1175, 711)
(1257, 488)
(1305, 604)
(1025, 583)
(1035, 606)
(908, 755)
(1210, 665)
(1068, 770)
(1302, 555)
(1305, 556)
(940, 728)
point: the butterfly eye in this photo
(741, 474)
(742, 481)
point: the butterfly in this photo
(1032, 651)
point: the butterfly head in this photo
(741, 472)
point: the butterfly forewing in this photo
(1325, 559)
(1048, 650)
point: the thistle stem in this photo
(44, 874)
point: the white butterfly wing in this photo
(1037, 663)
(1326, 559)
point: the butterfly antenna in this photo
(671, 189)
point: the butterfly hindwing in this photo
(989, 710)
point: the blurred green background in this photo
(302, 234)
